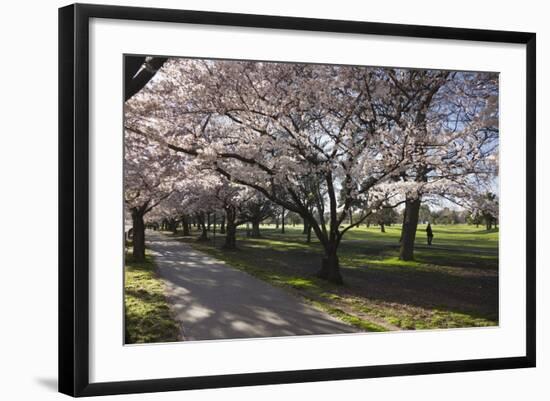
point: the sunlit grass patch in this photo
(300, 283)
(394, 261)
(408, 317)
(448, 319)
(268, 242)
(348, 318)
(147, 315)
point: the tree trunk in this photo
(202, 226)
(306, 225)
(403, 225)
(408, 232)
(330, 266)
(230, 237)
(255, 233)
(204, 233)
(382, 227)
(222, 225)
(138, 225)
(185, 226)
(230, 230)
(308, 238)
(283, 221)
(198, 221)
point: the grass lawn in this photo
(453, 283)
(147, 314)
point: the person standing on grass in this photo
(429, 233)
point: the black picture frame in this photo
(74, 198)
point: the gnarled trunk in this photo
(330, 266)
(408, 231)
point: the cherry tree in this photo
(175, 209)
(149, 179)
(317, 140)
(485, 208)
(456, 137)
(291, 132)
(255, 209)
(196, 198)
(240, 204)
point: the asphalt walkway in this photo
(212, 300)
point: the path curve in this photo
(212, 300)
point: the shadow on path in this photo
(212, 300)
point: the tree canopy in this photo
(322, 141)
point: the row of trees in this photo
(267, 213)
(335, 145)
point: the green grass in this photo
(147, 314)
(353, 320)
(454, 283)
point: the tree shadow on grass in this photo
(476, 295)
(470, 287)
(458, 260)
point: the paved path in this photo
(212, 300)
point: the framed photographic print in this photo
(249, 199)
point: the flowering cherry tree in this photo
(150, 175)
(454, 117)
(318, 140)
